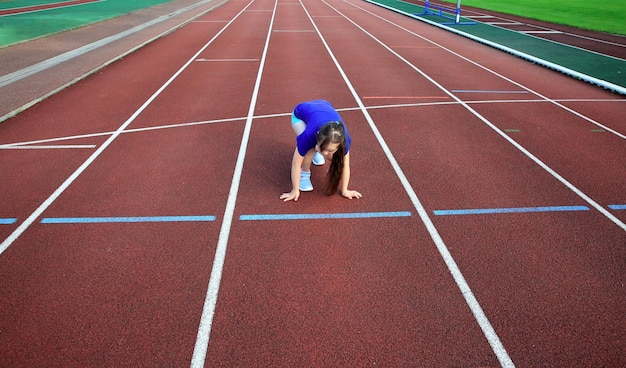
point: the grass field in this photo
(599, 15)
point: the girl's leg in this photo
(306, 163)
(305, 174)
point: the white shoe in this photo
(318, 159)
(305, 181)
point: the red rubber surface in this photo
(347, 292)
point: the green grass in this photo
(28, 26)
(598, 15)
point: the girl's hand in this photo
(293, 195)
(351, 194)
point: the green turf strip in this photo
(23, 27)
(588, 63)
(12, 4)
(597, 15)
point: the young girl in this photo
(320, 135)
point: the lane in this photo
(43, 164)
(319, 292)
(109, 106)
(90, 294)
(588, 158)
(550, 282)
(557, 153)
(213, 87)
(354, 293)
(483, 186)
(104, 294)
(453, 159)
(210, 300)
(312, 291)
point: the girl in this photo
(320, 135)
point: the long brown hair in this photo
(333, 132)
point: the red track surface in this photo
(349, 292)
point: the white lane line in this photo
(472, 302)
(127, 131)
(504, 23)
(541, 32)
(552, 172)
(223, 60)
(60, 146)
(267, 116)
(33, 216)
(208, 311)
(544, 166)
(466, 105)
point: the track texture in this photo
(197, 124)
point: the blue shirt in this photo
(315, 114)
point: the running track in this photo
(491, 231)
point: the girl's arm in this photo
(296, 168)
(345, 179)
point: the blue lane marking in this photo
(7, 221)
(480, 211)
(484, 91)
(92, 220)
(617, 206)
(314, 216)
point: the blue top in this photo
(315, 114)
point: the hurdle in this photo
(444, 12)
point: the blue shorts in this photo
(294, 119)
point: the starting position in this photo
(320, 136)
